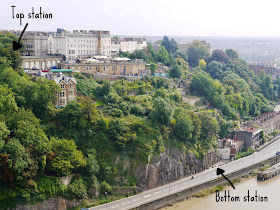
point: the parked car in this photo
(278, 153)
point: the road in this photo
(185, 183)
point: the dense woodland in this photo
(119, 122)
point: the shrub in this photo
(105, 187)
(77, 189)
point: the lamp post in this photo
(107, 198)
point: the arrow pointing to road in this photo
(220, 172)
(17, 45)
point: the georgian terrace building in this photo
(127, 45)
(81, 42)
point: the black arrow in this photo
(17, 45)
(220, 172)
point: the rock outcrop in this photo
(166, 167)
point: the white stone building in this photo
(128, 44)
(224, 152)
(50, 45)
(36, 43)
(83, 42)
(228, 148)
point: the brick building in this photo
(67, 84)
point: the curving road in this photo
(185, 183)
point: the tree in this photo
(215, 69)
(162, 55)
(151, 53)
(232, 53)
(202, 64)
(183, 128)
(162, 112)
(209, 126)
(120, 133)
(196, 52)
(70, 118)
(88, 109)
(182, 63)
(4, 132)
(181, 54)
(64, 157)
(18, 157)
(176, 72)
(153, 67)
(219, 56)
(139, 54)
(6, 50)
(77, 188)
(92, 163)
(7, 103)
(170, 45)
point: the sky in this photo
(150, 17)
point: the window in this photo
(60, 94)
(63, 101)
(62, 86)
(71, 85)
(60, 102)
(71, 93)
(63, 94)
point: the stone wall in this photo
(51, 204)
(126, 191)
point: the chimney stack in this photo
(99, 43)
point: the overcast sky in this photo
(151, 17)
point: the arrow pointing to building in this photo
(17, 45)
(221, 172)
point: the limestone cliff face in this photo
(166, 167)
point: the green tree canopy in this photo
(196, 52)
(162, 112)
(170, 45)
(232, 53)
(162, 55)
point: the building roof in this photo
(41, 74)
(230, 143)
(100, 57)
(60, 77)
(61, 70)
(90, 60)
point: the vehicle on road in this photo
(278, 153)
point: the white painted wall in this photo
(224, 152)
